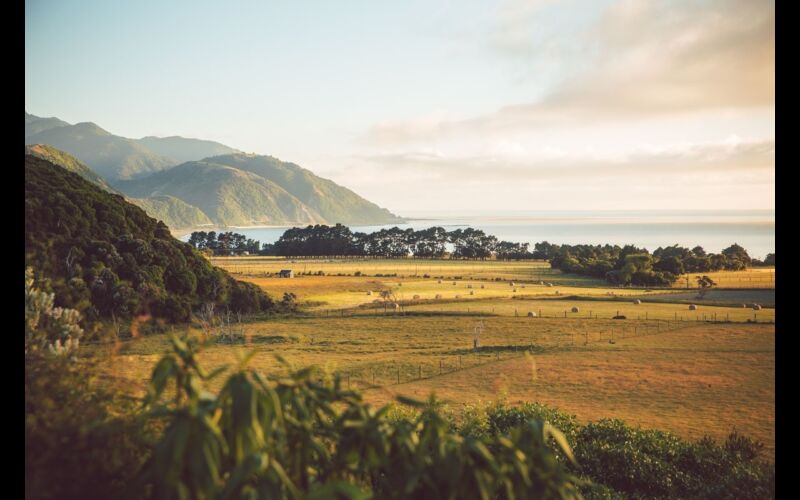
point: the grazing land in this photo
(693, 372)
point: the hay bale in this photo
(369, 292)
(511, 284)
(440, 282)
(416, 297)
(523, 286)
(514, 290)
(472, 292)
(541, 282)
(482, 286)
(575, 309)
(637, 302)
(396, 306)
(438, 296)
(558, 293)
(692, 307)
(454, 283)
(756, 307)
(531, 314)
(458, 296)
(549, 284)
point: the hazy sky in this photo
(431, 106)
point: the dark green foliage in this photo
(106, 257)
(297, 436)
(82, 439)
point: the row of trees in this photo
(625, 265)
(228, 243)
(433, 242)
(636, 266)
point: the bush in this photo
(82, 439)
(281, 436)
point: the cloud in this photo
(731, 158)
(640, 59)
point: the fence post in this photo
(440, 367)
(420, 371)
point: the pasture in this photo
(695, 372)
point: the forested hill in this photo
(105, 256)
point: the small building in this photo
(286, 273)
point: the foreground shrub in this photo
(295, 437)
(82, 438)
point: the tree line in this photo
(624, 265)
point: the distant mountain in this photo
(228, 196)
(69, 162)
(226, 188)
(181, 149)
(109, 155)
(35, 124)
(333, 202)
(176, 213)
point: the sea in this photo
(711, 229)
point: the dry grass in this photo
(759, 277)
(687, 378)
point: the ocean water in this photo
(713, 230)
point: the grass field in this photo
(759, 277)
(690, 372)
(688, 378)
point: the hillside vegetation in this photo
(111, 156)
(227, 196)
(106, 258)
(174, 212)
(182, 149)
(68, 162)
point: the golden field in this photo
(690, 372)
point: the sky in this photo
(434, 106)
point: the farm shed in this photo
(286, 273)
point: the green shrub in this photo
(292, 436)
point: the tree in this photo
(704, 283)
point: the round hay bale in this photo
(472, 292)
(399, 284)
(692, 307)
(454, 283)
(514, 290)
(756, 307)
(369, 292)
(541, 282)
(558, 293)
(482, 286)
(523, 286)
(637, 302)
(575, 309)
(549, 284)
(396, 306)
(440, 282)
(458, 296)
(469, 286)
(416, 297)
(511, 284)
(438, 296)
(531, 314)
